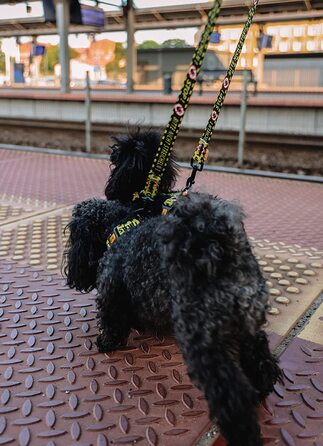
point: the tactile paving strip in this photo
(39, 242)
(294, 277)
(16, 208)
(56, 389)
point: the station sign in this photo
(264, 41)
(92, 16)
(215, 37)
(38, 50)
(79, 14)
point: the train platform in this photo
(283, 114)
(56, 389)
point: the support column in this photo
(9, 70)
(63, 21)
(87, 113)
(131, 48)
(261, 57)
(260, 67)
(243, 116)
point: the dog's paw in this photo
(270, 374)
(106, 344)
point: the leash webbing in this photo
(172, 128)
(201, 151)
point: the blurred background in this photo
(135, 55)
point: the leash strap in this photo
(171, 130)
(201, 151)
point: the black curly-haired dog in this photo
(191, 272)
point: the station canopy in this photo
(174, 16)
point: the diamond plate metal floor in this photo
(293, 414)
(56, 389)
(56, 386)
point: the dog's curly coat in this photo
(191, 272)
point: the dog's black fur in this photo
(191, 272)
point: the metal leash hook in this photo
(190, 180)
(201, 152)
(197, 162)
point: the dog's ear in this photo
(131, 158)
(86, 244)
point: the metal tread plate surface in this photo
(293, 414)
(55, 388)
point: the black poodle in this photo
(190, 272)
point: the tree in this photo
(117, 66)
(51, 58)
(147, 44)
(175, 43)
(2, 61)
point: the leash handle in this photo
(171, 130)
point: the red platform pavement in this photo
(280, 210)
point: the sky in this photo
(19, 10)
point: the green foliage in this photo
(2, 61)
(147, 44)
(51, 58)
(175, 43)
(117, 66)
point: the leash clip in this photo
(196, 166)
(191, 179)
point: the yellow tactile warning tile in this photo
(39, 242)
(13, 208)
(294, 278)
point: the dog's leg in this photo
(259, 364)
(113, 318)
(214, 365)
(114, 307)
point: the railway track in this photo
(279, 153)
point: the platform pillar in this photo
(243, 116)
(63, 20)
(129, 13)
